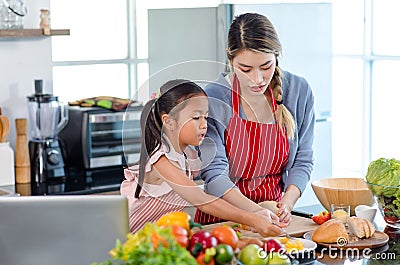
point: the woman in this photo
(260, 126)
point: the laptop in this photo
(62, 230)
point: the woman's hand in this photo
(285, 217)
(286, 205)
(264, 223)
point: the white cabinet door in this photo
(186, 43)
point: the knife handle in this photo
(302, 214)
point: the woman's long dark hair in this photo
(256, 33)
(173, 93)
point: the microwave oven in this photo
(97, 143)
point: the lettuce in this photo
(138, 249)
(384, 175)
(384, 172)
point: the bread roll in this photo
(330, 232)
(270, 205)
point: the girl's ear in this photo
(167, 121)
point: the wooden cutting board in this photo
(378, 239)
(297, 228)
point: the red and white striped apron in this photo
(257, 153)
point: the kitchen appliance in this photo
(47, 116)
(98, 143)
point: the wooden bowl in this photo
(352, 191)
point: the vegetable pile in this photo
(171, 240)
(385, 174)
(151, 245)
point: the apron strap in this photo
(274, 104)
(236, 96)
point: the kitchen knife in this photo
(302, 214)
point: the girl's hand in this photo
(273, 218)
(264, 223)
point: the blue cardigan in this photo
(297, 97)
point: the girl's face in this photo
(254, 71)
(190, 127)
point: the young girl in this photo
(162, 180)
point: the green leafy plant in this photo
(151, 245)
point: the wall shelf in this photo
(21, 33)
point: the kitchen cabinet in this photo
(27, 33)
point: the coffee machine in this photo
(47, 117)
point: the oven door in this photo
(114, 138)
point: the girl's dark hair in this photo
(173, 93)
(256, 33)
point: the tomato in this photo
(181, 235)
(224, 254)
(391, 219)
(272, 245)
(225, 235)
(322, 217)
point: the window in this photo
(107, 52)
(96, 58)
(366, 59)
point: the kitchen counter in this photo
(387, 254)
(26, 190)
(76, 183)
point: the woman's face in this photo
(254, 71)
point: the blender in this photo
(47, 117)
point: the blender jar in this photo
(47, 117)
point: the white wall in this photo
(22, 60)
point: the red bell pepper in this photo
(322, 217)
(200, 241)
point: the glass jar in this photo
(12, 14)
